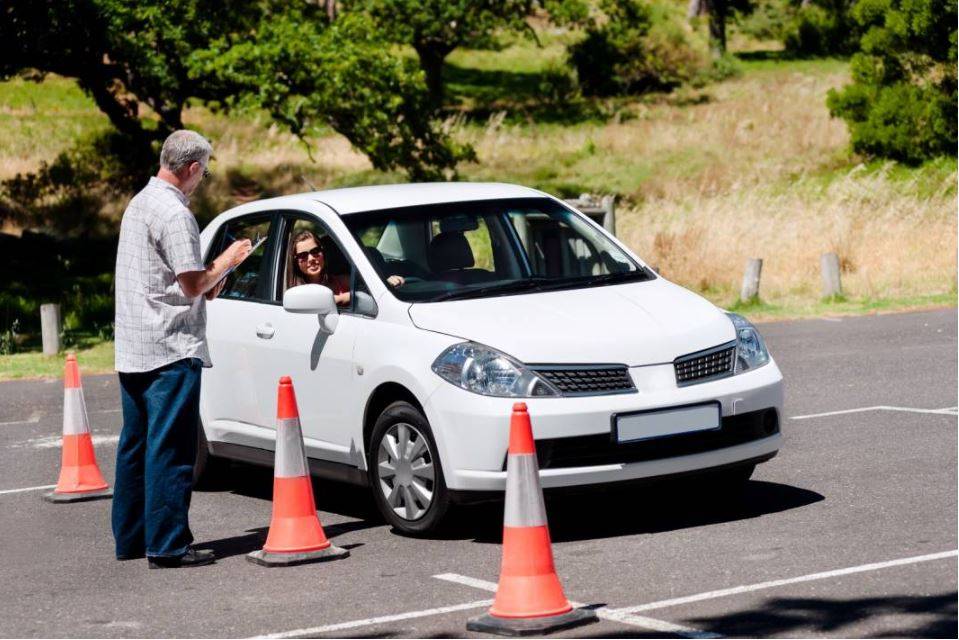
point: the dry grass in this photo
(892, 239)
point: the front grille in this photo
(586, 380)
(598, 449)
(705, 365)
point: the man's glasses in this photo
(206, 172)
(302, 256)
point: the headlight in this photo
(751, 351)
(489, 372)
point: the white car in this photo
(464, 298)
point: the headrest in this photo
(449, 250)
(376, 259)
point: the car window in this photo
(487, 248)
(312, 255)
(251, 280)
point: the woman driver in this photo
(308, 267)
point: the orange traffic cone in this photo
(296, 535)
(529, 599)
(80, 477)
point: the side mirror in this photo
(364, 304)
(314, 299)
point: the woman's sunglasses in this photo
(316, 252)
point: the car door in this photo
(238, 323)
(320, 364)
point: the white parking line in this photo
(948, 411)
(721, 593)
(43, 486)
(366, 622)
(615, 615)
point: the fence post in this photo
(609, 219)
(831, 285)
(50, 328)
(750, 288)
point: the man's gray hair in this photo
(183, 147)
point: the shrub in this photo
(902, 100)
(636, 47)
(765, 19)
(821, 29)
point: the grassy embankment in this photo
(749, 167)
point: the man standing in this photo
(161, 290)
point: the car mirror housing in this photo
(310, 298)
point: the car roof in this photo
(391, 196)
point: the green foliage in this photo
(634, 48)
(306, 74)
(822, 28)
(902, 100)
(435, 28)
(764, 19)
(134, 55)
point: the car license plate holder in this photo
(653, 424)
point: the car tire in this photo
(209, 471)
(394, 477)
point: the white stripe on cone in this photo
(290, 453)
(75, 420)
(524, 497)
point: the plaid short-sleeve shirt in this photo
(156, 324)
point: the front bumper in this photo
(472, 431)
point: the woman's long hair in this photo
(294, 276)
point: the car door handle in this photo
(265, 331)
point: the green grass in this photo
(43, 119)
(93, 358)
(847, 306)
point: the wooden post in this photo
(50, 328)
(831, 284)
(609, 219)
(750, 289)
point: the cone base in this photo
(519, 627)
(78, 496)
(271, 559)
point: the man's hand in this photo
(208, 282)
(237, 252)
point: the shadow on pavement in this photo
(649, 509)
(332, 497)
(815, 616)
(254, 539)
(597, 513)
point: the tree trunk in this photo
(717, 26)
(695, 8)
(432, 59)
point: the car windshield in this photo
(488, 248)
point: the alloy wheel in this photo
(405, 471)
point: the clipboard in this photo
(256, 245)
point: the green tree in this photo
(143, 61)
(435, 28)
(901, 103)
(342, 75)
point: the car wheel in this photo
(405, 472)
(209, 471)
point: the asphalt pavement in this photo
(850, 532)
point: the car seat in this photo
(451, 258)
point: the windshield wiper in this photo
(516, 285)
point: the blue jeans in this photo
(155, 457)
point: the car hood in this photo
(638, 323)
